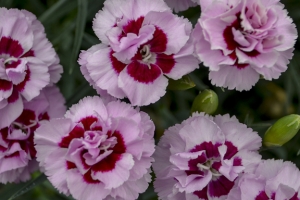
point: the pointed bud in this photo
(181, 84)
(206, 101)
(282, 131)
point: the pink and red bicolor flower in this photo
(17, 152)
(272, 179)
(100, 150)
(241, 40)
(28, 62)
(202, 157)
(141, 42)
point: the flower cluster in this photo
(29, 67)
(141, 42)
(99, 149)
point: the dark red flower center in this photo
(150, 61)
(111, 141)
(11, 52)
(210, 160)
(27, 123)
(232, 45)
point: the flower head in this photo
(141, 42)
(239, 40)
(202, 157)
(28, 62)
(272, 179)
(99, 150)
(17, 153)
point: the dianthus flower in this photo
(17, 153)
(28, 62)
(273, 179)
(241, 40)
(142, 41)
(100, 150)
(202, 157)
(181, 5)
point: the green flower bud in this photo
(282, 131)
(181, 84)
(207, 101)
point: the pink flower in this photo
(17, 153)
(98, 151)
(272, 179)
(201, 158)
(240, 40)
(28, 62)
(141, 42)
(181, 5)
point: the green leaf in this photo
(28, 186)
(52, 10)
(182, 84)
(63, 33)
(92, 40)
(80, 25)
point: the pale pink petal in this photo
(200, 125)
(138, 92)
(131, 189)
(103, 69)
(118, 109)
(117, 176)
(174, 28)
(82, 190)
(56, 101)
(38, 79)
(232, 77)
(11, 112)
(185, 62)
(87, 107)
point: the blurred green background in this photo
(68, 25)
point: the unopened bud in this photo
(282, 131)
(206, 101)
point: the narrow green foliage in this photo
(30, 185)
(182, 84)
(282, 131)
(206, 101)
(80, 25)
(296, 80)
(52, 10)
